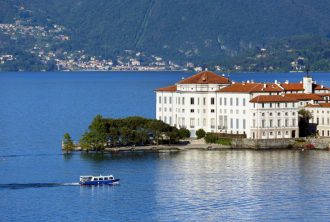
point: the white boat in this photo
(98, 180)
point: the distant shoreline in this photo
(104, 71)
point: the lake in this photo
(36, 109)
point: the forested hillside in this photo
(195, 31)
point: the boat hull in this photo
(103, 182)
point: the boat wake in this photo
(15, 186)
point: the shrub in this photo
(200, 133)
(216, 138)
(184, 133)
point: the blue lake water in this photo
(36, 109)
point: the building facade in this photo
(256, 110)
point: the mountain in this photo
(195, 31)
(296, 53)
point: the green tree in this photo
(184, 133)
(304, 117)
(68, 145)
(200, 133)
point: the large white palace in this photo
(256, 110)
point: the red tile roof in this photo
(319, 105)
(272, 98)
(323, 94)
(300, 87)
(167, 89)
(293, 86)
(205, 77)
(319, 87)
(252, 87)
(304, 96)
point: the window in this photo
(270, 114)
(179, 100)
(192, 122)
(212, 101)
(221, 121)
(286, 123)
(225, 101)
(271, 123)
(212, 123)
(293, 122)
(170, 122)
(160, 99)
(262, 114)
(254, 123)
(231, 101)
(204, 122)
(271, 133)
(204, 101)
(212, 110)
(170, 99)
(165, 99)
(237, 102)
(270, 105)
(244, 123)
(182, 100)
(244, 101)
(231, 123)
(263, 123)
(278, 123)
(192, 101)
(225, 123)
(237, 123)
(220, 102)
(262, 105)
(286, 113)
(165, 119)
(192, 110)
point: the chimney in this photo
(286, 81)
(248, 81)
(275, 82)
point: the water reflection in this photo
(238, 184)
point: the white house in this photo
(256, 110)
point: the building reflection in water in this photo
(234, 184)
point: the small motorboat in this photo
(98, 180)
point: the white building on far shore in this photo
(256, 110)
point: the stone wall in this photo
(280, 144)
